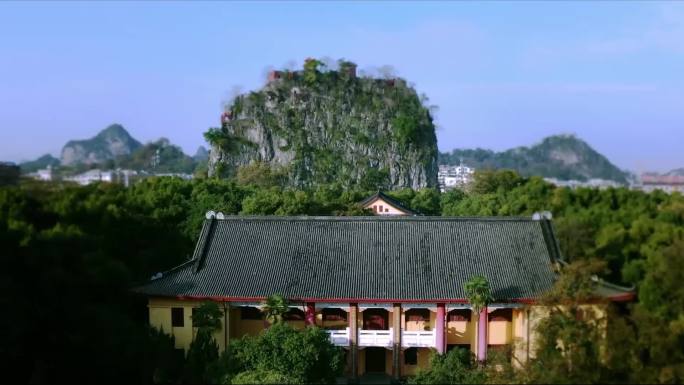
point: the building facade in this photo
(666, 183)
(450, 177)
(382, 204)
(388, 290)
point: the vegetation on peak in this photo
(328, 124)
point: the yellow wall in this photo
(460, 332)
(418, 325)
(160, 317)
(390, 209)
(499, 333)
(423, 361)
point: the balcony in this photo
(375, 338)
(339, 337)
(418, 339)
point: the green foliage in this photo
(568, 339)
(260, 174)
(202, 354)
(311, 71)
(166, 362)
(478, 292)
(274, 307)
(160, 156)
(494, 181)
(207, 316)
(82, 248)
(262, 377)
(204, 351)
(456, 367)
(329, 127)
(297, 356)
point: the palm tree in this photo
(274, 307)
(478, 293)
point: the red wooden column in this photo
(482, 324)
(310, 315)
(439, 329)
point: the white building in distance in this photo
(450, 177)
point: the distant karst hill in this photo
(112, 142)
(564, 157)
(41, 163)
(114, 147)
(324, 125)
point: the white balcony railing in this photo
(421, 339)
(339, 337)
(375, 338)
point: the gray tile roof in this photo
(365, 258)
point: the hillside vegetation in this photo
(564, 157)
(320, 126)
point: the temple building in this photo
(387, 289)
(382, 204)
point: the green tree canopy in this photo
(478, 292)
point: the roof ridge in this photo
(378, 218)
(611, 285)
(164, 274)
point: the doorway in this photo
(375, 360)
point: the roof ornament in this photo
(210, 214)
(157, 276)
(219, 215)
(538, 216)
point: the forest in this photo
(71, 254)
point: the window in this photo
(177, 317)
(294, 314)
(459, 315)
(501, 315)
(411, 356)
(418, 315)
(250, 313)
(386, 210)
(375, 208)
(334, 314)
(380, 208)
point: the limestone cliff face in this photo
(330, 127)
(110, 143)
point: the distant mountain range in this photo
(563, 157)
(114, 147)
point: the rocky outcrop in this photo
(110, 143)
(325, 127)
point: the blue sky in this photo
(502, 74)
